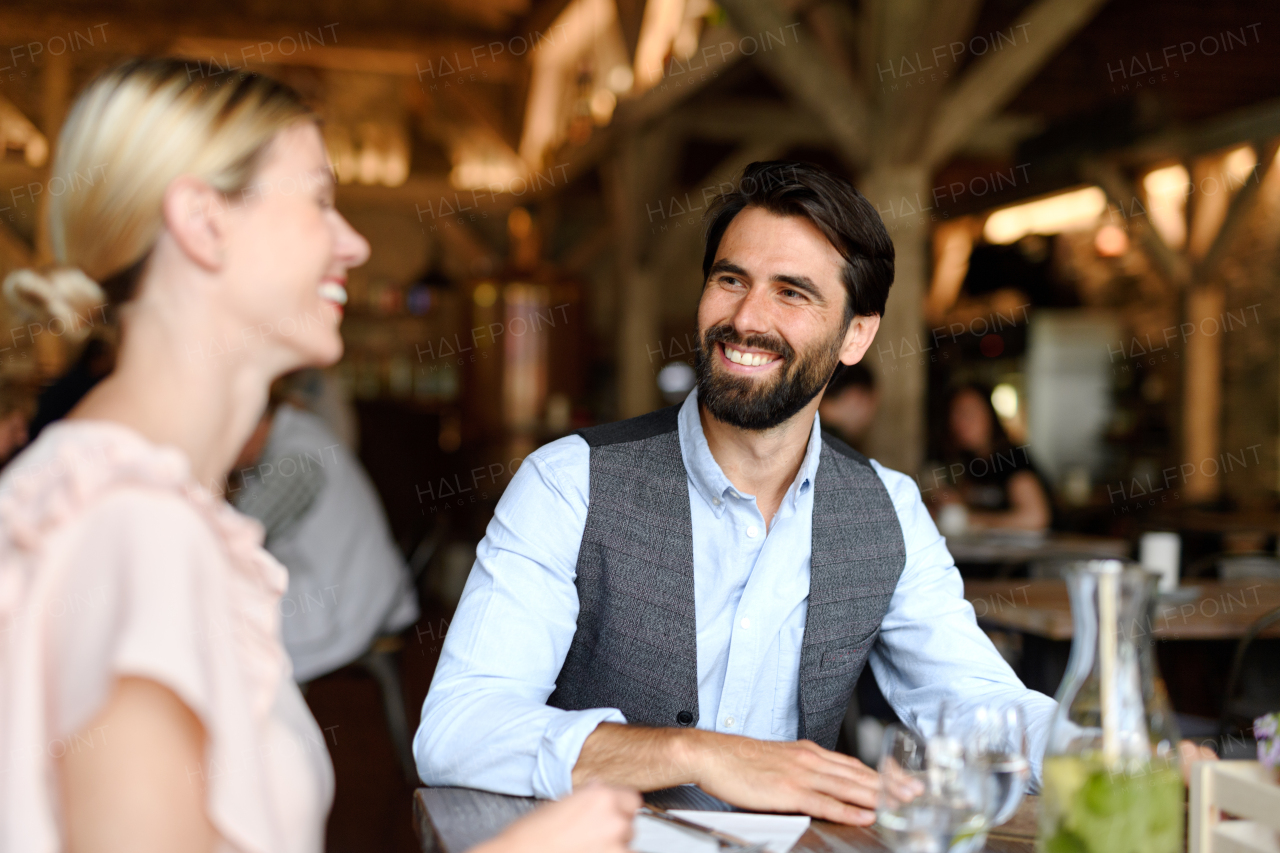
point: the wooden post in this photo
(638, 331)
(55, 96)
(897, 435)
(1202, 397)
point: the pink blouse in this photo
(114, 561)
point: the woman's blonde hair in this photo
(130, 133)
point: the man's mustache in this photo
(729, 335)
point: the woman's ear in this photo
(194, 215)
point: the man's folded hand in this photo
(785, 776)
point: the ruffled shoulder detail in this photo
(75, 463)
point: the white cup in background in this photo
(1160, 552)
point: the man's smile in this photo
(743, 359)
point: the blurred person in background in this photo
(148, 702)
(849, 405)
(95, 361)
(985, 482)
(15, 411)
(323, 521)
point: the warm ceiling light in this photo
(620, 79)
(1052, 215)
(1167, 190)
(1004, 399)
(602, 103)
(577, 28)
(381, 155)
(1238, 165)
(1111, 241)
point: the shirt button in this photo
(728, 722)
(715, 501)
(746, 622)
(752, 531)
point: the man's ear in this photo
(194, 216)
(858, 337)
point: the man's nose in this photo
(752, 315)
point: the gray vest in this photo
(635, 647)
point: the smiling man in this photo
(691, 595)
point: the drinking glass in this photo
(997, 739)
(928, 798)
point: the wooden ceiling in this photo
(1100, 91)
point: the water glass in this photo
(927, 801)
(998, 739)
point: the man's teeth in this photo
(748, 359)
(334, 292)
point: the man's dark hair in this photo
(848, 221)
(850, 376)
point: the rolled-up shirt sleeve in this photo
(931, 649)
(485, 722)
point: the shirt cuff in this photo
(561, 744)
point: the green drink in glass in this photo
(1087, 808)
(1111, 782)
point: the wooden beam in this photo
(835, 28)
(1123, 193)
(685, 243)
(633, 115)
(630, 17)
(994, 79)
(1239, 213)
(255, 43)
(439, 61)
(911, 110)
(802, 71)
(742, 120)
(14, 251)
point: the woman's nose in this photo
(352, 248)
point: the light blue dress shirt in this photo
(485, 722)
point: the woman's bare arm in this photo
(133, 778)
(1028, 507)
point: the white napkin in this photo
(779, 833)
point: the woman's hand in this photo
(595, 819)
(1190, 752)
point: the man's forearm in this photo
(639, 757)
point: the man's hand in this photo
(753, 774)
(783, 776)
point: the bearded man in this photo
(690, 596)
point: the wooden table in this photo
(452, 820)
(1010, 547)
(1218, 610)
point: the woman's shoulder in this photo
(99, 490)
(78, 467)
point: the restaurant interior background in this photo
(1083, 197)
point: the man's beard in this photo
(761, 404)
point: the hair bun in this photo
(61, 292)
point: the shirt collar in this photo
(705, 474)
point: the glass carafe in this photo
(1111, 782)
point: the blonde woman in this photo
(146, 702)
